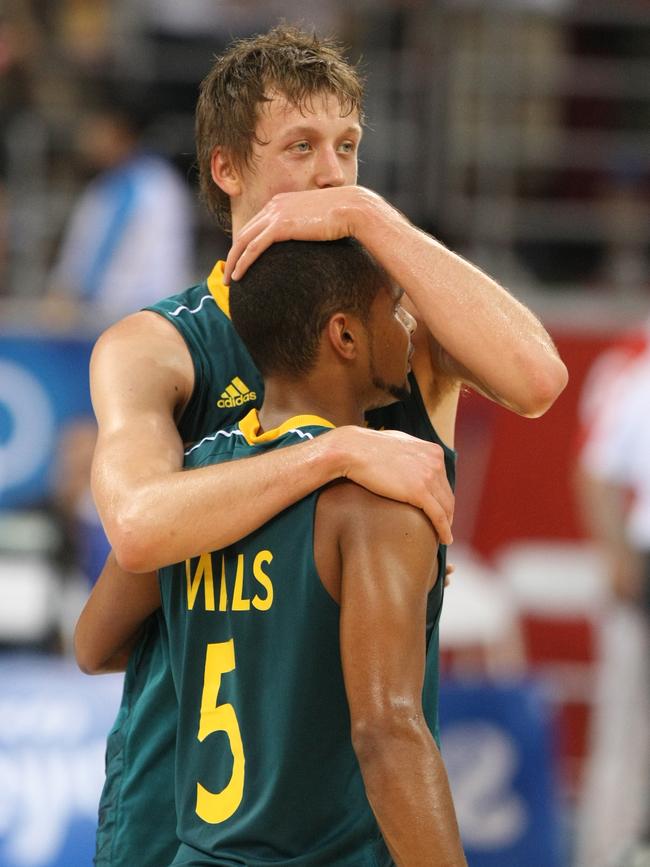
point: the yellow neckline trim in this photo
(218, 289)
(250, 426)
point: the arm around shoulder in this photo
(142, 377)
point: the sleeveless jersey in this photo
(265, 770)
(227, 384)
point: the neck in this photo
(285, 397)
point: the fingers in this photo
(307, 215)
(437, 488)
(268, 225)
(439, 517)
(250, 243)
(434, 495)
(260, 233)
(449, 571)
(404, 468)
(244, 250)
(233, 257)
(249, 254)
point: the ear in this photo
(224, 172)
(344, 333)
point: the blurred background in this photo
(517, 132)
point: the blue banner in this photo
(53, 726)
(497, 746)
(43, 386)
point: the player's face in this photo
(390, 348)
(297, 149)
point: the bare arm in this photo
(154, 514)
(602, 505)
(495, 342)
(609, 466)
(109, 625)
(387, 566)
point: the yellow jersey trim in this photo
(250, 426)
(218, 289)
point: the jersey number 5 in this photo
(215, 807)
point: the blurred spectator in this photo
(85, 31)
(129, 239)
(19, 46)
(233, 17)
(614, 493)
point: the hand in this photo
(309, 215)
(449, 571)
(401, 467)
(626, 575)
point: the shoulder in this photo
(358, 513)
(138, 331)
(143, 350)
(376, 540)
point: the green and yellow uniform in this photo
(137, 815)
(265, 769)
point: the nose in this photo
(329, 171)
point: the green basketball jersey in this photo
(139, 762)
(227, 384)
(137, 816)
(265, 769)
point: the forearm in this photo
(113, 664)
(477, 322)
(109, 625)
(156, 518)
(603, 505)
(602, 509)
(407, 787)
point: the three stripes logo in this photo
(236, 394)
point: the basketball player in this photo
(300, 654)
(278, 125)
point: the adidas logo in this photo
(236, 394)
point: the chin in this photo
(383, 400)
(402, 393)
(391, 394)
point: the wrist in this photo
(379, 226)
(365, 213)
(334, 456)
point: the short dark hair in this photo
(299, 65)
(286, 297)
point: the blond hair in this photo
(296, 64)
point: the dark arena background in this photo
(518, 133)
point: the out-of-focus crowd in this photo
(518, 135)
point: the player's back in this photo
(266, 772)
(226, 385)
